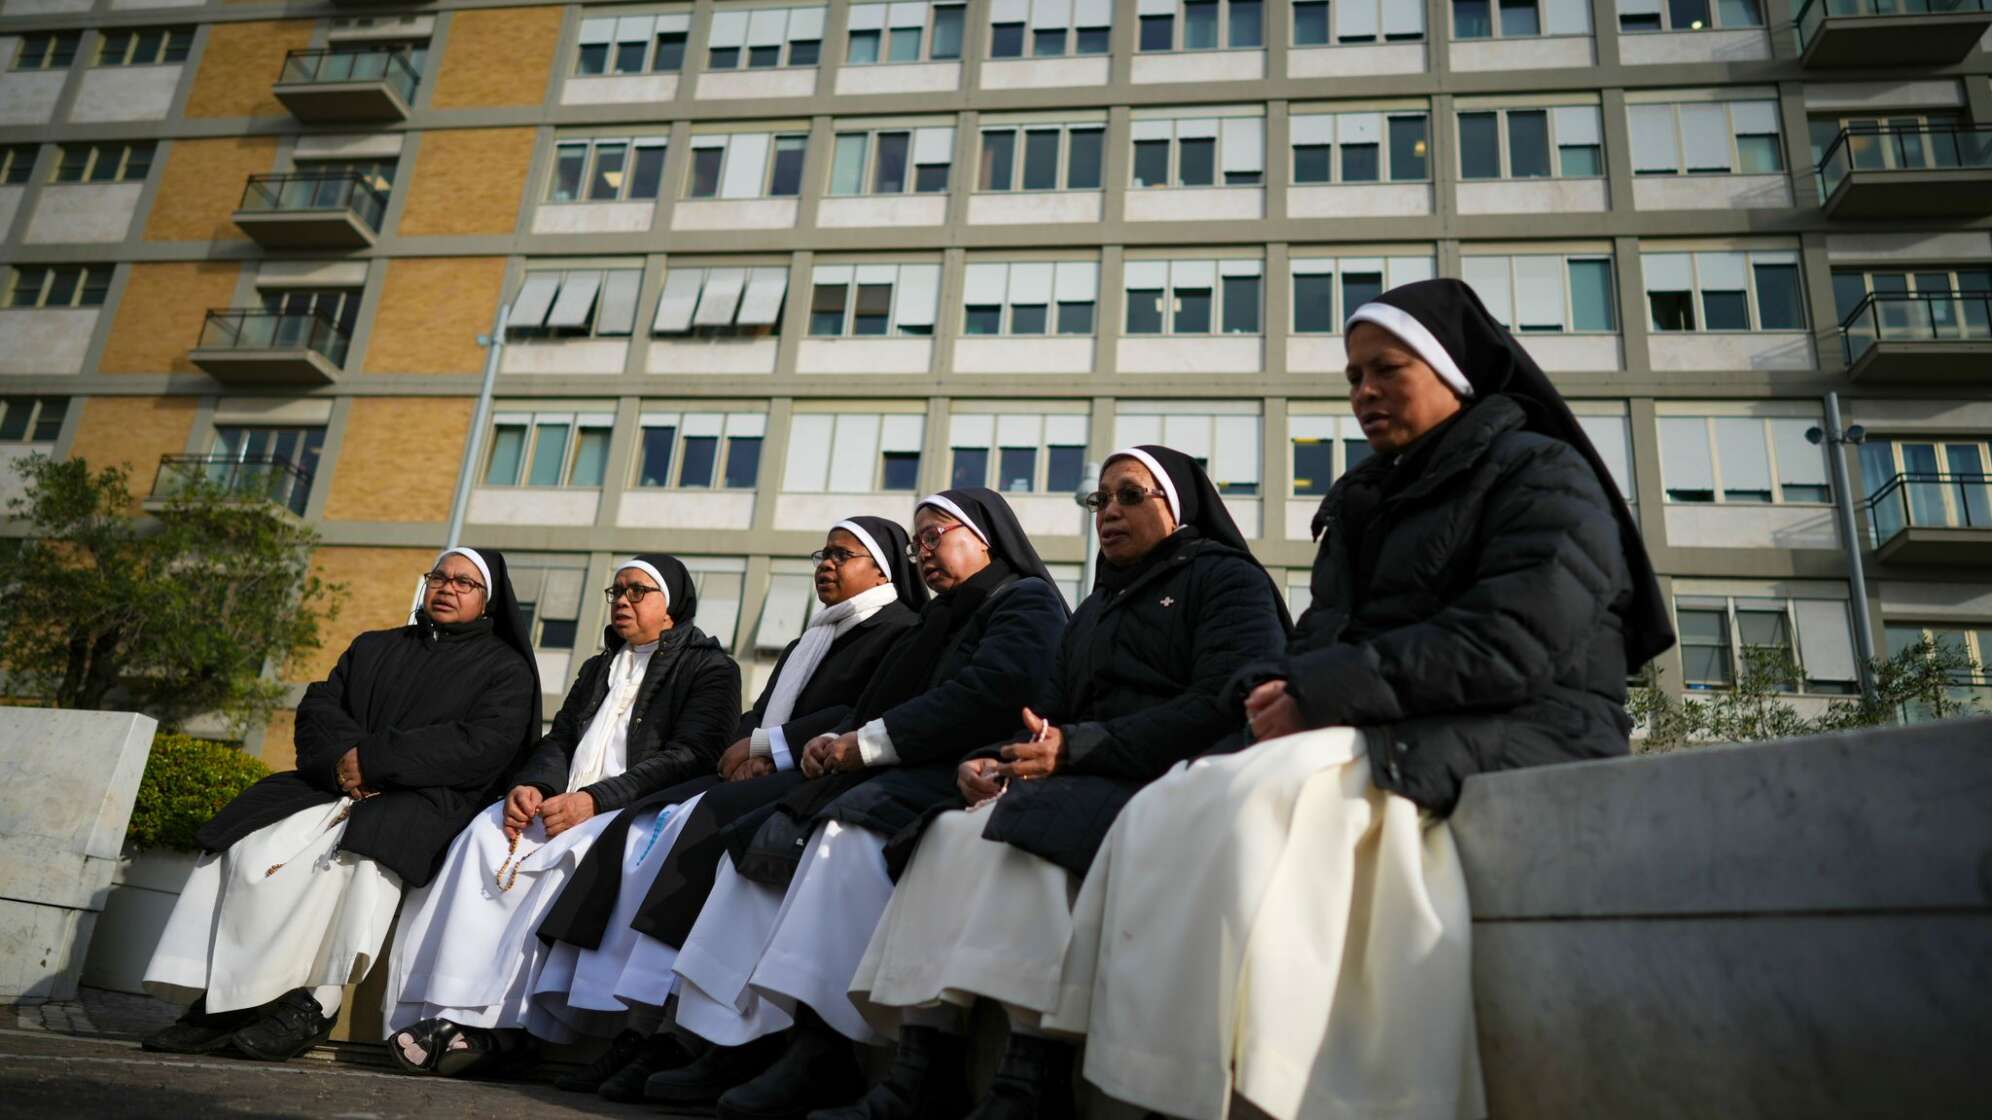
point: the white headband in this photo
(471, 555)
(871, 546)
(1154, 468)
(645, 567)
(1404, 325)
(946, 505)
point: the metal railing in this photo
(1923, 147)
(1919, 500)
(268, 477)
(254, 328)
(390, 64)
(1915, 317)
(318, 191)
(1816, 12)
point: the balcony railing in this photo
(1930, 501)
(1929, 147)
(267, 477)
(1816, 12)
(330, 192)
(1915, 317)
(253, 328)
(389, 64)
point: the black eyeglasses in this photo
(463, 585)
(1128, 495)
(838, 557)
(634, 592)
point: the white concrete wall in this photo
(652, 508)
(1768, 350)
(581, 355)
(1366, 60)
(1316, 353)
(28, 96)
(1047, 515)
(1695, 525)
(1196, 204)
(809, 513)
(905, 77)
(1198, 67)
(882, 210)
(1574, 353)
(1358, 200)
(865, 355)
(135, 5)
(1910, 246)
(10, 204)
(1300, 517)
(1674, 48)
(1927, 93)
(1524, 54)
(83, 213)
(126, 93)
(1957, 602)
(619, 89)
(734, 213)
(11, 454)
(718, 355)
(1711, 192)
(1249, 513)
(1533, 196)
(1044, 73)
(1027, 208)
(533, 506)
(1048, 354)
(722, 85)
(1219, 354)
(46, 7)
(594, 217)
(47, 340)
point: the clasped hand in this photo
(827, 754)
(558, 813)
(347, 773)
(1271, 712)
(739, 763)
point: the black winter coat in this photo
(439, 718)
(1137, 687)
(678, 725)
(826, 700)
(1487, 632)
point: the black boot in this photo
(622, 1050)
(928, 1081)
(660, 1051)
(289, 1026)
(818, 1070)
(198, 1032)
(1034, 1082)
(713, 1072)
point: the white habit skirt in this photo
(971, 917)
(245, 935)
(1271, 923)
(466, 950)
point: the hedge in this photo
(186, 782)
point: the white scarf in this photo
(829, 624)
(604, 748)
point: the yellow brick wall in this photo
(498, 57)
(467, 181)
(202, 185)
(398, 459)
(431, 311)
(380, 584)
(159, 317)
(240, 64)
(279, 750)
(134, 431)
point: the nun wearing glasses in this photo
(1138, 685)
(415, 728)
(650, 710)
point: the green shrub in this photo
(186, 783)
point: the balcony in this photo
(1872, 33)
(1918, 338)
(252, 346)
(1941, 519)
(1930, 171)
(312, 210)
(366, 83)
(263, 478)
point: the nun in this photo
(803, 881)
(604, 977)
(301, 874)
(984, 909)
(1480, 595)
(648, 711)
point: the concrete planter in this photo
(143, 891)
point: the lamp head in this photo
(1814, 436)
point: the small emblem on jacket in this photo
(1167, 601)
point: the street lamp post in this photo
(1089, 532)
(1836, 437)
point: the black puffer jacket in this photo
(684, 710)
(1486, 631)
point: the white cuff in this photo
(778, 748)
(875, 745)
(758, 744)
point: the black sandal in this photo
(485, 1052)
(431, 1035)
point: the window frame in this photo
(1735, 136)
(1179, 27)
(125, 153)
(1731, 607)
(1698, 294)
(868, 163)
(727, 443)
(1568, 327)
(1414, 268)
(1141, 412)
(929, 29)
(1053, 306)
(47, 50)
(1041, 449)
(590, 167)
(1504, 143)
(785, 51)
(612, 46)
(1664, 20)
(17, 163)
(770, 166)
(92, 283)
(542, 333)
(39, 418)
(1720, 495)
(534, 424)
(1018, 151)
(849, 308)
(1171, 306)
(1175, 144)
(1386, 163)
(175, 43)
(1073, 36)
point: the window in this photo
(1519, 19)
(1688, 15)
(606, 170)
(1017, 453)
(1030, 298)
(765, 38)
(873, 299)
(548, 449)
(1359, 147)
(1736, 291)
(104, 163)
(549, 591)
(1193, 297)
(738, 165)
(1549, 293)
(17, 163)
(1224, 442)
(1327, 290)
(632, 45)
(1365, 21)
(144, 46)
(1973, 643)
(33, 285)
(1898, 141)
(297, 309)
(248, 460)
(1526, 143)
(578, 303)
(700, 450)
(32, 419)
(1927, 304)
(1053, 157)
(1741, 460)
(722, 302)
(1324, 448)
(1929, 482)
(907, 31)
(1611, 434)
(853, 452)
(1049, 28)
(1719, 634)
(47, 50)
(1201, 25)
(892, 161)
(1184, 152)
(1706, 137)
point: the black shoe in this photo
(928, 1081)
(1033, 1082)
(719, 1068)
(198, 1032)
(660, 1051)
(818, 1070)
(587, 1079)
(289, 1026)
